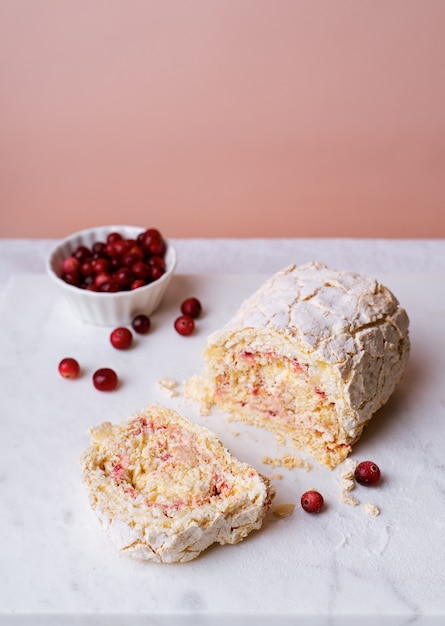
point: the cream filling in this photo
(279, 393)
(167, 471)
(162, 470)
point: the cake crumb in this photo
(277, 477)
(290, 462)
(169, 386)
(346, 498)
(197, 390)
(287, 461)
(268, 460)
(348, 475)
(372, 509)
(350, 465)
(348, 484)
(283, 510)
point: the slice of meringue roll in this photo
(165, 488)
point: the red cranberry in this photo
(191, 307)
(153, 232)
(82, 253)
(87, 268)
(72, 278)
(367, 473)
(105, 379)
(109, 286)
(121, 338)
(312, 501)
(138, 283)
(98, 247)
(149, 237)
(140, 270)
(115, 264)
(123, 277)
(70, 264)
(157, 260)
(156, 271)
(120, 247)
(157, 247)
(110, 250)
(69, 368)
(184, 325)
(137, 250)
(112, 237)
(129, 259)
(141, 324)
(100, 278)
(101, 265)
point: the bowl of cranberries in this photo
(110, 274)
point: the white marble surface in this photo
(341, 567)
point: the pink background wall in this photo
(223, 117)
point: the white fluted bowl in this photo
(108, 309)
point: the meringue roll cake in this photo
(311, 355)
